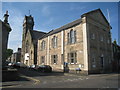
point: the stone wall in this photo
(97, 46)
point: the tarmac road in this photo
(61, 80)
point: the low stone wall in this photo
(9, 75)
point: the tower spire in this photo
(29, 12)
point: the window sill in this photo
(72, 63)
(71, 43)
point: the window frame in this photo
(93, 36)
(42, 59)
(54, 59)
(71, 37)
(72, 57)
(43, 45)
(101, 38)
(54, 42)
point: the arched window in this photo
(54, 42)
(27, 47)
(43, 45)
(31, 54)
(71, 36)
(102, 60)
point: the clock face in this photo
(30, 21)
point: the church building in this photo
(29, 41)
(84, 43)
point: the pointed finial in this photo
(29, 12)
(7, 12)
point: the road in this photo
(60, 80)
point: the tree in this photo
(115, 42)
(9, 52)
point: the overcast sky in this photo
(52, 15)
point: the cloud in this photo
(48, 24)
(15, 36)
(73, 8)
(46, 10)
(49, 21)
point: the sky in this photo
(52, 15)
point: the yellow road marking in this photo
(10, 86)
(33, 79)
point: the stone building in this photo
(29, 41)
(4, 32)
(15, 57)
(116, 57)
(84, 43)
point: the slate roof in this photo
(74, 23)
(36, 34)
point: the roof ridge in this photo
(38, 31)
(68, 23)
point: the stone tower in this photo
(28, 24)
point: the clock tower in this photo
(28, 24)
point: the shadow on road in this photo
(18, 78)
(33, 73)
(12, 75)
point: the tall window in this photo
(43, 45)
(71, 36)
(72, 57)
(27, 46)
(68, 38)
(31, 54)
(101, 38)
(42, 59)
(92, 36)
(108, 41)
(54, 59)
(54, 42)
(102, 61)
(93, 61)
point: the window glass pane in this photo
(72, 55)
(42, 59)
(68, 37)
(75, 36)
(72, 60)
(75, 57)
(54, 59)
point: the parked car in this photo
(6, 65)
(33, 67)
(44, 68)
(19, 65)
(11, 65)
